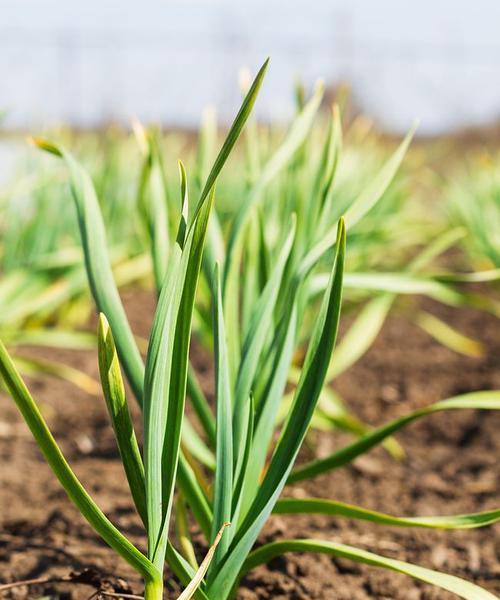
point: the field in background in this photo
(97, 61)
(419, 320)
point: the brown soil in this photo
(451, 468)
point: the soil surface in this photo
(451, 467)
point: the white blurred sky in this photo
(99, 60)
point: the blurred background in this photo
(94, 62)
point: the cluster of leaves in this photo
(473, 206)
(43, 287)
(42, 278)
(270, 278)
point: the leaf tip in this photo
(182, 169)
(319, 87)
(336, 112)
(140, 135)
(411, 132)
(103, 330)
(44, 145)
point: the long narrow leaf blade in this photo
(294, 430)
(448, 336)
(114, 394)
(223, 486)
(36, 366)
(195, 497)
(169, 355)
(258, 331)
(98, 266)
(360, 335)
(372, 193)
(201, 407)
(460, 587)
(294, 139)
(183, 571)
(269, 408)
(72, 486)
(487, 400)
(232, 136)
(156, 382)
(294, 506)
(200, 573)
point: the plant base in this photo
(153, 590)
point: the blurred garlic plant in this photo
(473, 203)
(43, 288)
